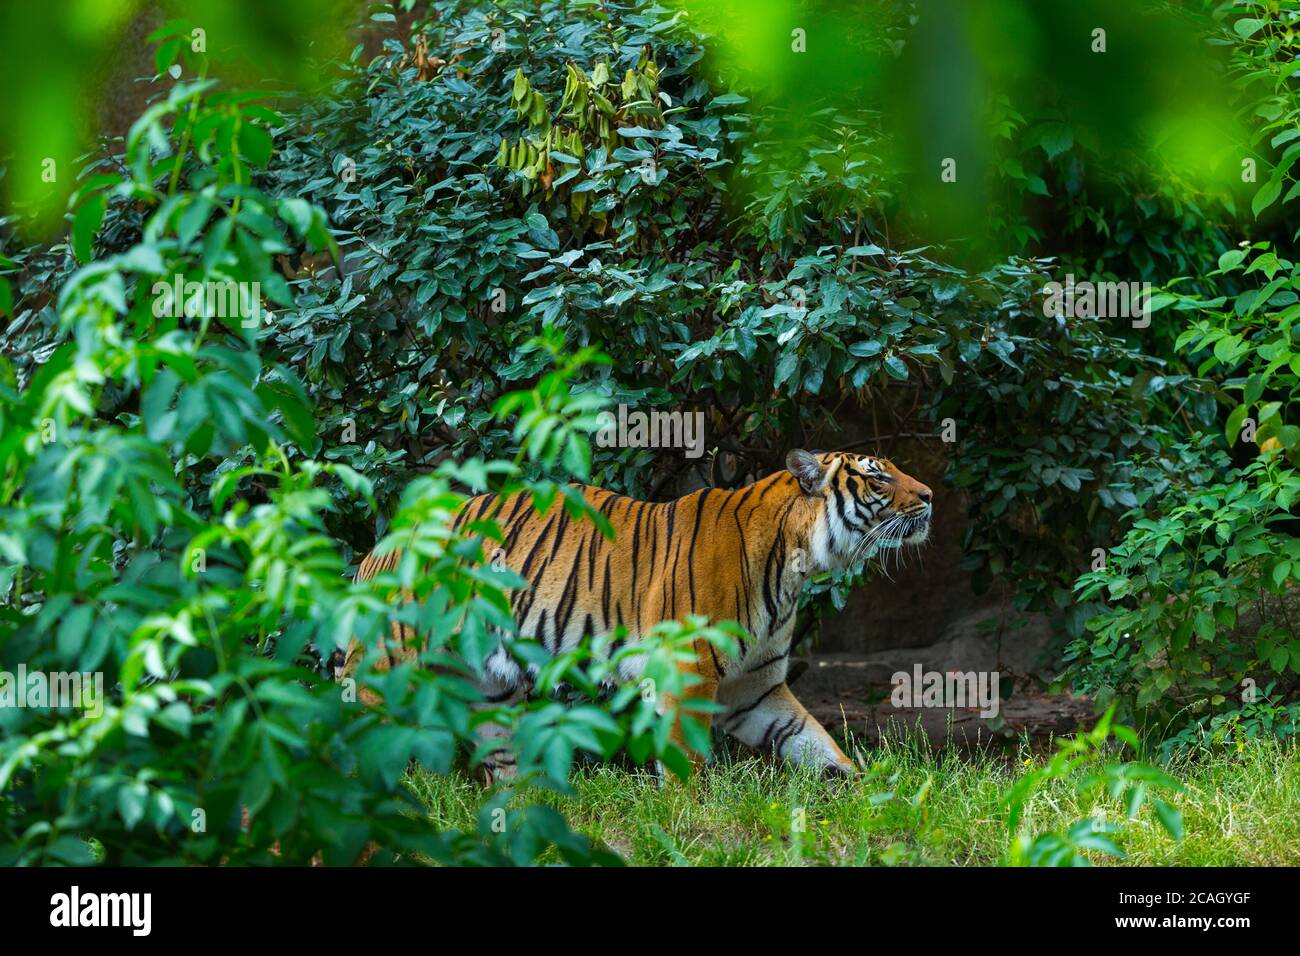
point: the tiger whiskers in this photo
(890, 535)
(869, 547)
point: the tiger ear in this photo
(806, 469)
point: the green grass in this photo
(913, 806)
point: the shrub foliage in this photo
(513, 217)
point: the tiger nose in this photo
(924, 494)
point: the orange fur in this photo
(725, 555)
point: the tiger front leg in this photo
(704, 688)
(771, 718)
(503, 684)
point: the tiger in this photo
(741, 555)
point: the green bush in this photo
(1198, 631)
(163, 523)
(716, 275)
(1204, 622)
(518, 215)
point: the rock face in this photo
(851, 690)
(968, 643)
(1030, 714)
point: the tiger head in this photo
(862, 505)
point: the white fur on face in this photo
(823, 542)
(836, 536)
